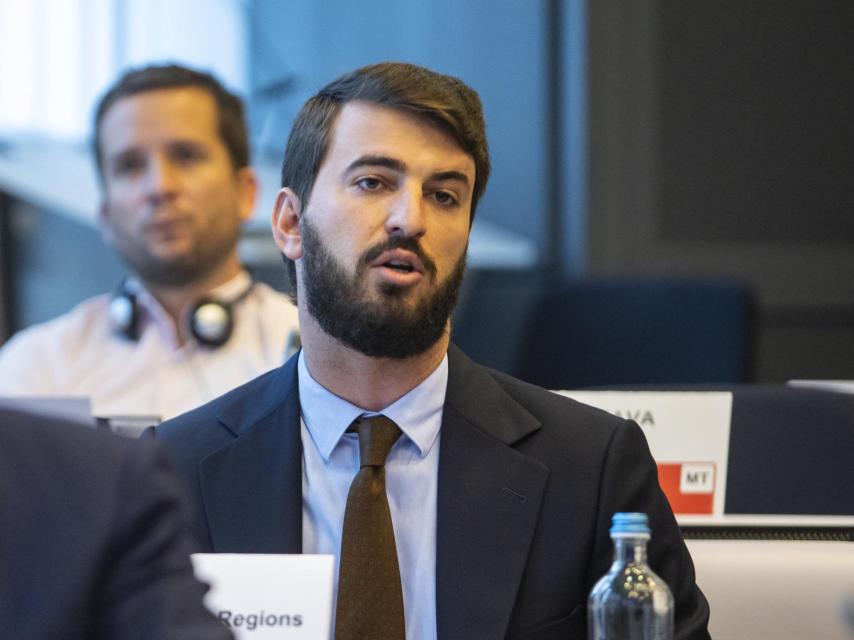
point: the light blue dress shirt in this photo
(331, 460)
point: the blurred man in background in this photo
(188, 324)
(94, 538)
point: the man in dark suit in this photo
(499, 493)
(94, 538)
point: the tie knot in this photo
(377, 435)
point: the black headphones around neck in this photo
(211, 321)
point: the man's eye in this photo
(369, 184)
(444, 198)
(128, 165)
(183, 154)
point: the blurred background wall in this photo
(652, 137)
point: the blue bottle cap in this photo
(629, 524)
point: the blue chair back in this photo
(638, 331)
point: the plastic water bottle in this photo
(630, 602)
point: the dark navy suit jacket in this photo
(94, 538)
(528, 482)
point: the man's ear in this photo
(105, 225)
(286, 231)
(247, 191)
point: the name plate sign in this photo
(688, 435)
(269, 596)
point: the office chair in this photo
(639, 330)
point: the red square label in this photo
(689, 486)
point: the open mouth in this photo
(400, 261)
(400, 266)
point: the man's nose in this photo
(161, 180)
(406, 216)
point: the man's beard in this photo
(381, 328)
(180, 270)
(175, 272)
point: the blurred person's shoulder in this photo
(122, 509)
(41, 359)
(88, 320)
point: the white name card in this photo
(269, 596)
(688, 435)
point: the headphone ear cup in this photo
(123, 314)
(211, 322)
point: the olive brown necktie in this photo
(370, 599)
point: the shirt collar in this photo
(153, 311)
(229, 290)
(233, 289)
(418, 413)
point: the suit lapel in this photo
(252, 487)
(488, 504)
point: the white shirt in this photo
(81, 354)
(331, 461)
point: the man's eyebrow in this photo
(377, 161)
(397, 165)
(122, 153)
(137, 148)
(450, 175)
